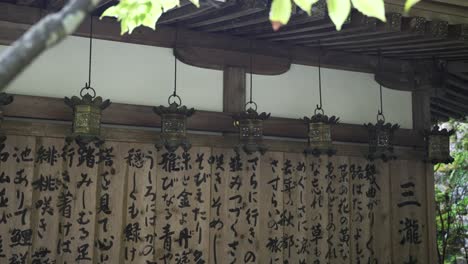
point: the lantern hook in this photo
(176, 98)
(319, 109)
(251, 103)
(88, 88)
(380, 116)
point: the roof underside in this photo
(411, 38)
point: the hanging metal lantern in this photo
(438, 145)
(319, 126)
(174, 124)
(381, 139)
(5, 99)
(87, 110)
(319, 134)
(250, 125)
(86, 115)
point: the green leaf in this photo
(280, 11)
(338, 10)
(372, 8)
(409, 4)
(305, 5)
(195, 2)
(167, 4)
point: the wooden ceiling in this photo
(436, 31)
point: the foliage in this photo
(452, 199)
(134, 13)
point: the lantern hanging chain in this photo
(175, 76)
(319, 106)
(88, 85)
(174, 95)
(380, 111)
(320, 76)
(90, 63)
(251, 72)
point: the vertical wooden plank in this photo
(47, 184)
(249, 221)
(431, 214)
(270, 209)
(16, 176)
(294, 214)
(78, 198)
(317, 209)
(236, 203)
(112, 181)
(342, 210)
(382, 225)
(218, 205)
(138, 230)
(409, 212)
(199, 211)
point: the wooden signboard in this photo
(126, 202)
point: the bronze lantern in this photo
(250, 125)
(87, 108)
(319, 134)
(5, 99)
(174, 125)
(438, 145)
(381, 139)
(86, 116)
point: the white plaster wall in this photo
(352, 96)
(124, 73)
(137, 74)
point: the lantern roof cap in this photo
(87, 99)
(382, 125)
(321, 118)
(440, 132)
(250, 113)
(174, 108)
(5, 99)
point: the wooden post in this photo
(233, 89)
(421, 110)
(422, 121)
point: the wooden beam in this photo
(34, 107)
(234, 89)
(220, 59)
(421, 102)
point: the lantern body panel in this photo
(250, 125)
(438, 145)
(319, 134)
(87, 120)
(173, 126)
(87, 113)
(381, 140)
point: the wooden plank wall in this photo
(128, 203)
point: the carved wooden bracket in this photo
(218, 59)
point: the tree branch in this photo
(49, 31)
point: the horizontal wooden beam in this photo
(136, 115)
(219, 59)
